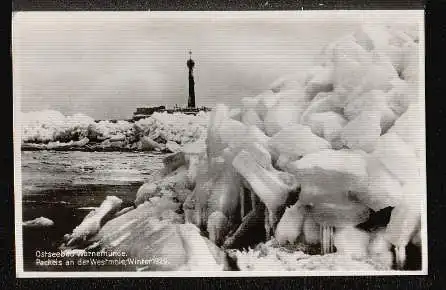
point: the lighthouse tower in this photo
(190, 65)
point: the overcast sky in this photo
(105, 64)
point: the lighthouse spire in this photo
(190, 65)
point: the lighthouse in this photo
(190, 65)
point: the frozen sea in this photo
(66, 186)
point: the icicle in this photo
(322, 239)
(400, 255)
(326, 239)
(267, 224)
(321, 228)
(242, 202)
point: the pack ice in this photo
(304, 164)
(340, 143)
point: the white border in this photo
(421, 92)
(17, 136)
(279, 17)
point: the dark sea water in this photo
(66, 186)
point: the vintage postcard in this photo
(285, 143)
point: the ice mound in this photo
(295, 141)
(177, 127)
(334, 171)
(154, 230)
(263, 103)
(398, 157)
(327, 180)
(291, 224)
(383, 190)
(351, 241)
(328, 125)
(52, 130)
(288, 82)
(103, 130)
(401, 95)
(45, 126)
(320, 79)
(346, 132)
(362, 132)
(250, 117)
(406, 127)
(374, 101)
(287, 111)
(397, 45)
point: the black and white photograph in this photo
(231, 143)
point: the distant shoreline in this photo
(91, 149)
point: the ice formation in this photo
(45, 126)
(38, 222)
(313, 157)
(348, 133)
(52, 130)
